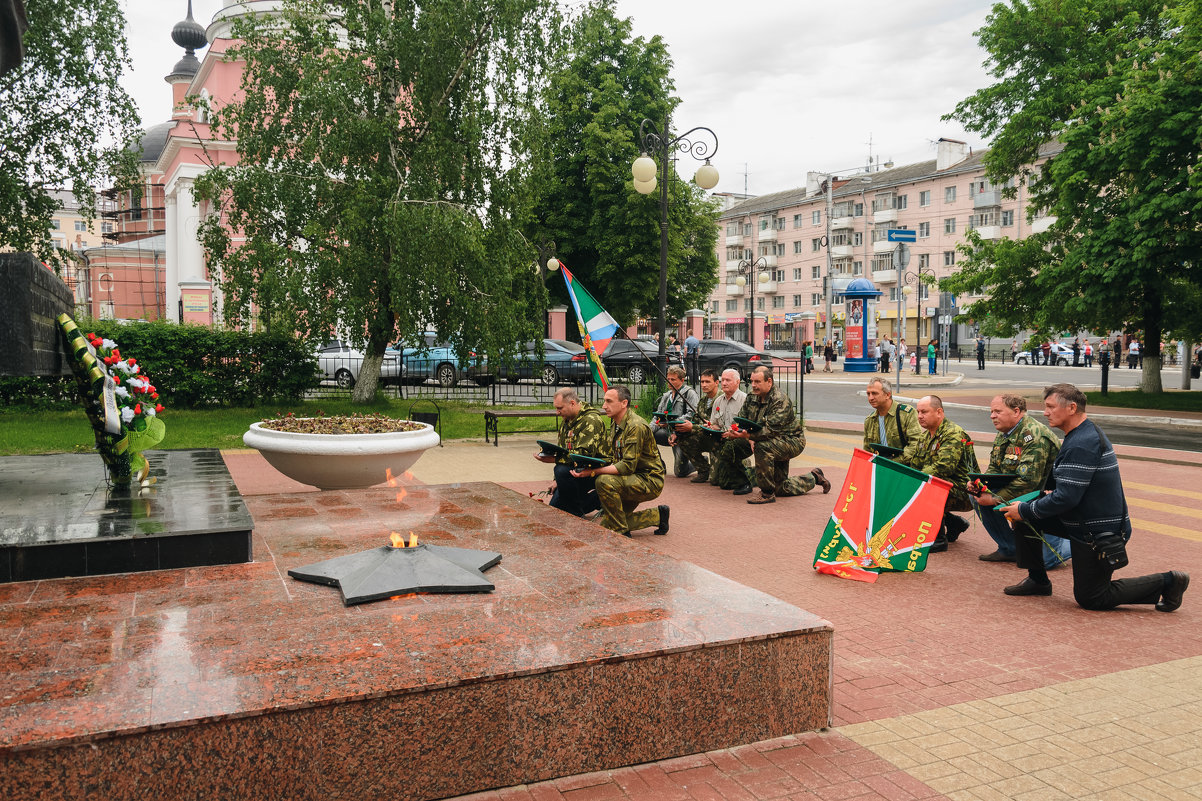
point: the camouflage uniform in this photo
(899, 413)
(781, 438)
(1028, 451)
(584, 434)
(695, 443)
(947, 454)
(640, 477)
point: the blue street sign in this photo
(902, 235)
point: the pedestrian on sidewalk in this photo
(1088, 354)
(980, 352)
(828, 356)
(931, 355)
(1086, 506)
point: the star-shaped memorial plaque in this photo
(386, 571)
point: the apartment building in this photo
(787, 248)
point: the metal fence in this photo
(789, 376)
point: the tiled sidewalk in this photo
(943, 686)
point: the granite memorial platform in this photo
(236, 681)
(60, 517)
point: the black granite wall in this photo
(31, 297)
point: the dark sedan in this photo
(633, 361)
(721, 354)
(562, 361)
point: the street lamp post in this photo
(913, 283)
(662, 143)
(747, 277)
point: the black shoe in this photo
(938, 546)
(699, 479)
(1171, 600)
(820, 479)
(662, 528)
(743, 490)
(956, 526)
(1029, 587)
(996, 556)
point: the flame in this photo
(389, 478)
(408, 476)
(398, 540)
(400, 496)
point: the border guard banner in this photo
(885, 518)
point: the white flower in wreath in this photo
(121, 392)
(137, 383)
(149, 411)
(127, 415)
(122, 366)
(108, 344)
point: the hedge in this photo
(191, 366)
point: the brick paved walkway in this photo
(943, 686)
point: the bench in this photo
(493, 416)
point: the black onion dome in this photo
(189, 35)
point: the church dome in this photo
(190, 35)
(153, 141)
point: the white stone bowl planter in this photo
(340, 461)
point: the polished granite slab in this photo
(59, 517)
(237, 681)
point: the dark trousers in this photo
(1093, 587)
(692, 367)
(980, 360)
(574, 495)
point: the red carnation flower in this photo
(116, 379)
(154, 395)
(138, 409)
(158, 407)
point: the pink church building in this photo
(154, 267)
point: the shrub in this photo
(193, 366)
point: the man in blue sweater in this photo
(1085, 504)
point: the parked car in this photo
(633, 360)
(721, 354)
(439, 361)
(1062, 353)
(562, 361)
(341, 363)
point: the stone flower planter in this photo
(340, 461)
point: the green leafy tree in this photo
(605, 84)
(1116, 88)
(64, 120)
(382, 160)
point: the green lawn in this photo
(1169, 401)
(58, 432)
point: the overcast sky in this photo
(787, 85)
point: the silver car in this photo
(341, 363)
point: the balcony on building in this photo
(1041, 224)
(766, 288)
(767, 234)
(769, 260)
(884, 277)
(734, 240)
(734, 289)
(883, 246)
(989, 231)
(842, 251)
(839, 223)
(733, 264)
(885, 216)
(990, 198)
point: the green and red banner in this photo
(885, 518)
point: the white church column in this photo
(171, 268)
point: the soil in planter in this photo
(367, 424)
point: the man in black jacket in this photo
(1086, 506)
